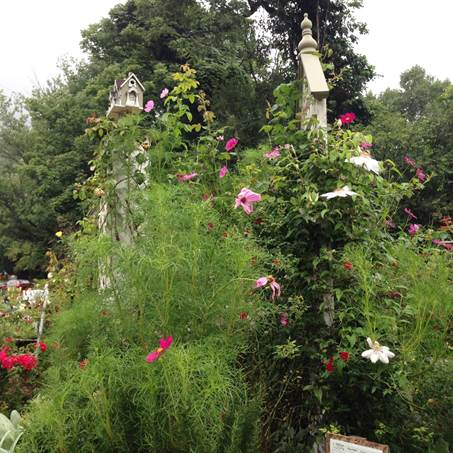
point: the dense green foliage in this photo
(417, 121)
(46, 156)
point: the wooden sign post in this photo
(336, 443)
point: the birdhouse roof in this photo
(120, 83)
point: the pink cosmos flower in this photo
(274, 154)
(409, 161)
(275, 287)
(410, 213)
(365, 145)
(246, 198)
(164, 344)
(164, 93)
(231, 144)
(420, 174)
(149, 106)
(413, 228)
(186, 177)
(220, 138)
(348, 118)
(446, 245)
(223, 171)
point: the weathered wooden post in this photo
(314, 85)
(126, 97)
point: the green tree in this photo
(417, 120)
(334, 26)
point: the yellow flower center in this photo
(159, 350)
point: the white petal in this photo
(367, 353)
(370, 343)
(374, 356)
(390, 354)
(383, 357)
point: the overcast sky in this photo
(34, 34)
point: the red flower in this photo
(41, 346)
(258, 221)
(210, 226)
(445, 221)
(8, 340)
(243, 315)
(348, 118)
(329, 365)
(284, 320)
(83, 363)
(27, 361)
(344, 355)
(225, 234)
(347, 265)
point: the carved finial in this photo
(307, 44)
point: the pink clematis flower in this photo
(223, 171)
(420, 174)
(164, 344)
(274, 154)
(348, 118)
(446, 245)
(231, 144)
(409, 161)
(410, 213)
(246, 198)
(413, 228)
(186, 177)
(275, 287)
(164, 93)
(149, 106)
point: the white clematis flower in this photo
(365, 160)
(377, 352)
(343, 192)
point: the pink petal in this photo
(275, 289)
(165, 343)
(248, 208)
(262, 281)
(223, 171)
(151, 357)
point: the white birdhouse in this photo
(126, 96)
(315, 89)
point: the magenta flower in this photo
(413, 228)
(164, 344)
(348, 118)
(246, 198)
(409, 161)
(274, 154)
(365, 145)
(410, 213)
(275, 287)
(446, 245)
(149, 106)
(164, 93)
(420, 175)
(186, 177)
(223, 171)
(231, 144)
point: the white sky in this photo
(35, 33)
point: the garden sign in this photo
(336, 443)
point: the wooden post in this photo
(314, 85)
